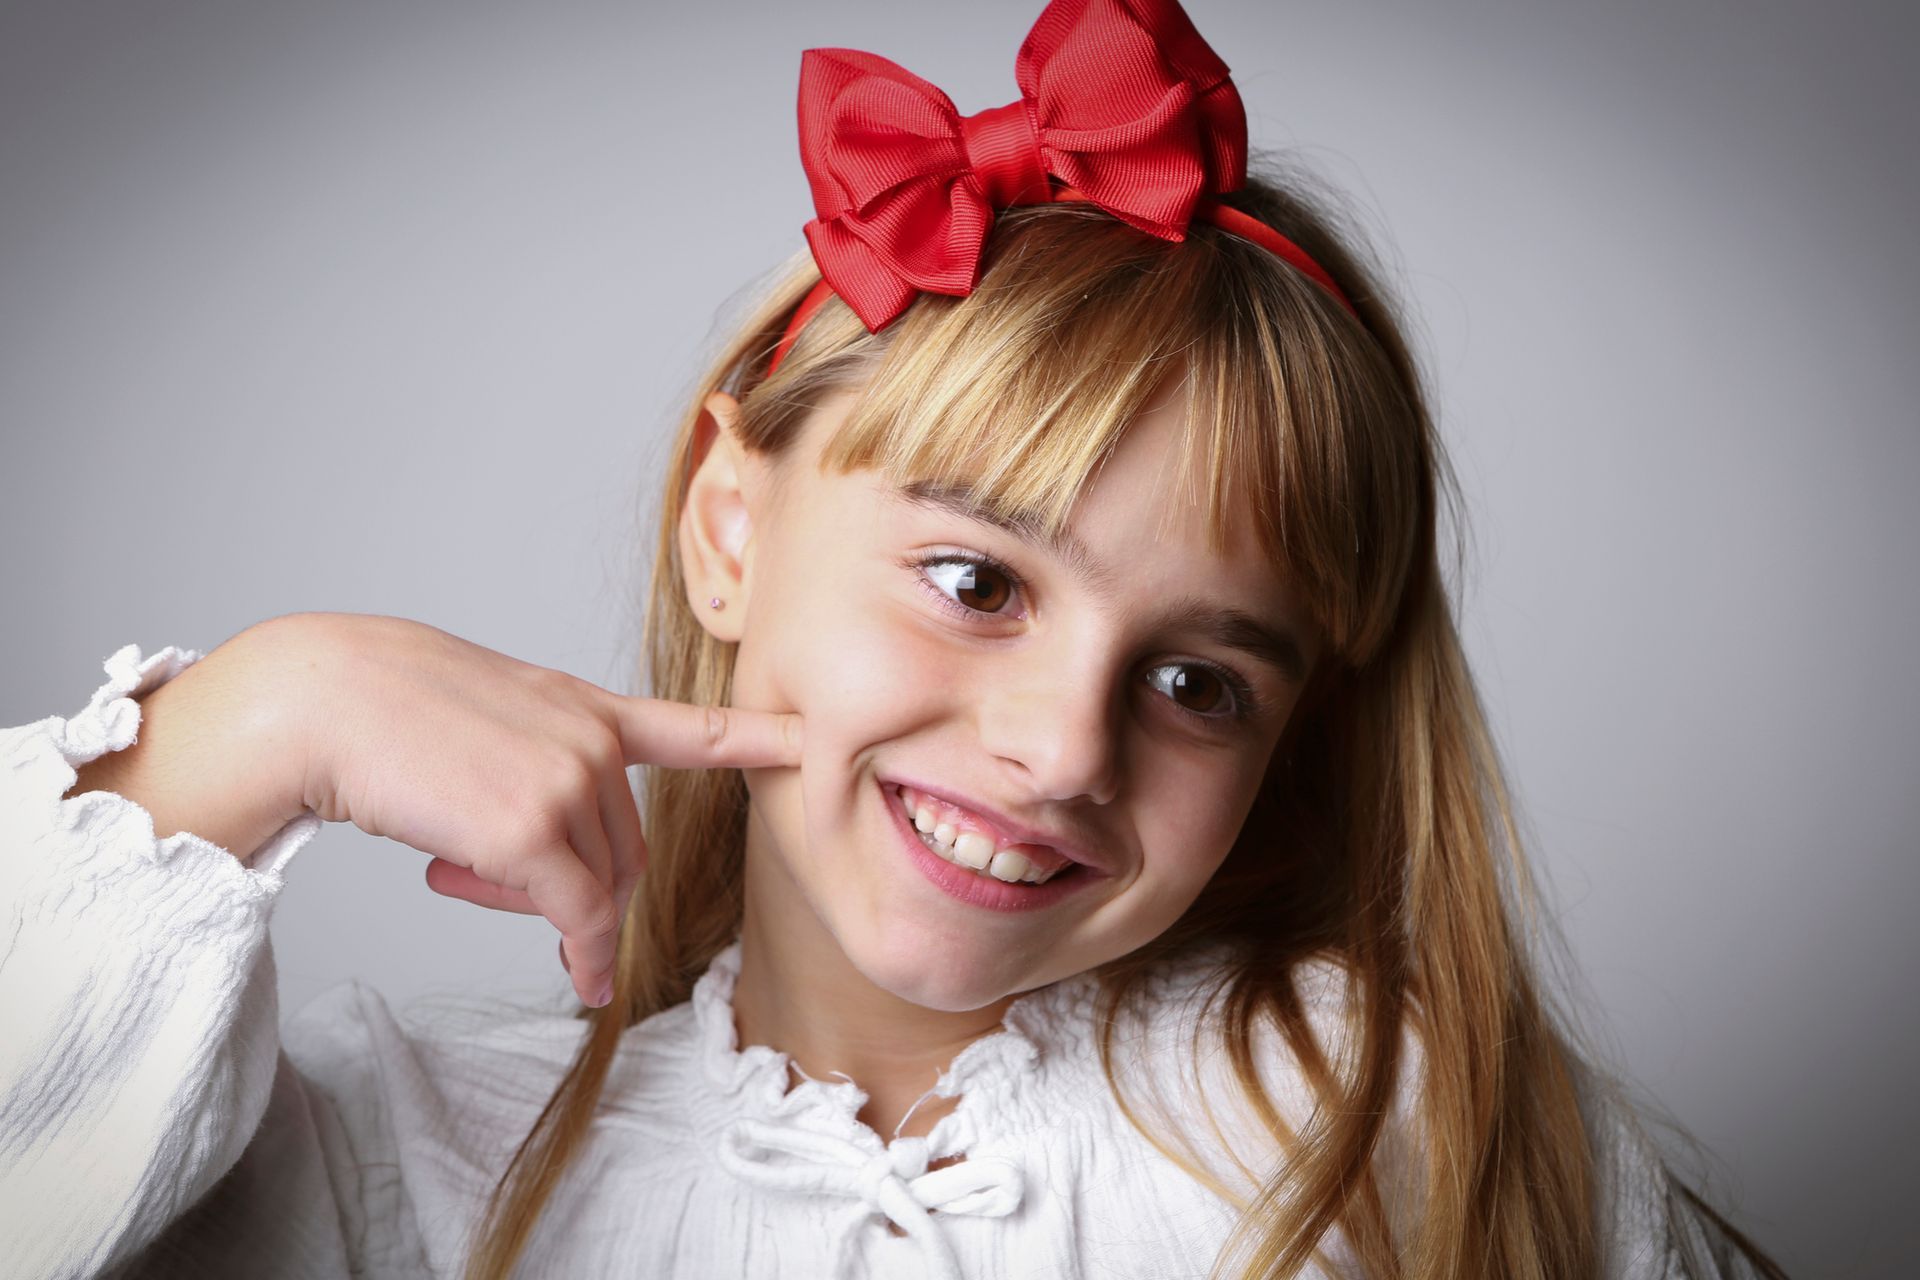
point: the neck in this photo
(798, 993)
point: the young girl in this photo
(1073, 846)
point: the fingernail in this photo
(606, 996)
(563, 956)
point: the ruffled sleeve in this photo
(138, 993)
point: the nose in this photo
(1052, 713)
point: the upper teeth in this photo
(971, 849)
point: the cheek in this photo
(838, 669)
(1197, 810)
(859, 674)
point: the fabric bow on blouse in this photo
(895, 1182)
(1120, 99)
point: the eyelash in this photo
(1247, 703)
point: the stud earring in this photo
(716, 603)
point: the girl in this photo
(1072, 845)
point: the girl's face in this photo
(1123, 696)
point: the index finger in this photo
(684, 735)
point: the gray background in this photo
(387, 308)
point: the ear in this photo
(716, 522)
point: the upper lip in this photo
(1013, 832)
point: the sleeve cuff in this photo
(38, 763)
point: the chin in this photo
(920, 967)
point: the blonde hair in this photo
(1383, 834)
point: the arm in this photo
(137, 987)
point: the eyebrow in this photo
(1238, 629)
(1229, 627)
(958, 499)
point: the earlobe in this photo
(716, 520)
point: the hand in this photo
(512, 776)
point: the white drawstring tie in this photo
(895, 1182)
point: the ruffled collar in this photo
(1000, 1078)
(808, 1140)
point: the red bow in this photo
(1120, 99)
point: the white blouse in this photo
(156, 1117)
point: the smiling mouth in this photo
(1019, 865)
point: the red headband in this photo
(1121, 100)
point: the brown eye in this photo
(981, 588)
(978, 587)
(1195, 689)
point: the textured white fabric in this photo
(156, 1118)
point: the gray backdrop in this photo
(386, 308)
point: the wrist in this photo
(269, 673)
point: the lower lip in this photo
(980, 889)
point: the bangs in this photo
(1017, 392)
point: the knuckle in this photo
(604, 749)
(606, 920)
(544, 824)
(548, 832)
(573, 777)
(548, 680)
(716, 727)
